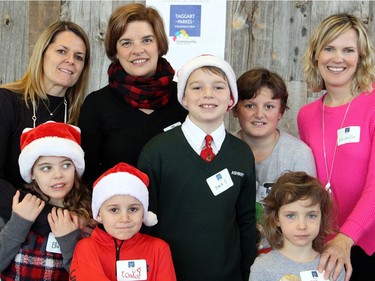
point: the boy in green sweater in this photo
(202, 180)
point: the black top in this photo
(113, 131)
(15, 116)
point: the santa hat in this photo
(206, 60)
(50, 139)
(122, 179)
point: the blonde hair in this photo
(30, 85)
(327, 31)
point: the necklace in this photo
(57, 107)
(34, 118)
(329, 172)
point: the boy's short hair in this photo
(122, 179)
(252, 81)
(206, 61)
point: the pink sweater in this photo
(353, 174)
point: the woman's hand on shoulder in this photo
(29, 208)
(335, 256)
(62, 221)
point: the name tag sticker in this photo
(263, 191)
(172, 126)
(312, 275)
(348, 135)
(52, 244)
(130, 270)
(220, 182)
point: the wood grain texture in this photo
(271, 34)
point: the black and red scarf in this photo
(139, 92)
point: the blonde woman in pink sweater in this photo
(340, 129)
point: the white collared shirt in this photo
(196, 136)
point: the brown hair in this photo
(215, 70)
(78, 200)
(290, 187)
(30, 85)
(252, 81)
(129, 13)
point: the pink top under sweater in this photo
(353, 174)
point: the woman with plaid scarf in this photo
(140, 99)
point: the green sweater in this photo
(211, 237)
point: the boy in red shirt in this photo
(116, 250)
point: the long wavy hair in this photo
(327, 31)
(291, 187)
(31, 83)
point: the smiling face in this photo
(338, 60)
(207, 98)
(55, 177)
(260, 115)
(137, 49)
(299, 223)
(121, 216)
(63, 62)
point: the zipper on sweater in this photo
(118, 248)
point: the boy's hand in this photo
(29, 208)
(62, 222)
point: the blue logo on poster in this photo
(186, 18)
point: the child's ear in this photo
(184, 102)
(99, 218)
(230, 104)
(280, 116)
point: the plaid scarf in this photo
(33, 262)
(139, 92)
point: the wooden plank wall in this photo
(271, 34)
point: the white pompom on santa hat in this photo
(122, 179)
(50, 139)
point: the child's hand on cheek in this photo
(29, 208)
(62, 222)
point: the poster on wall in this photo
(193, 28)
